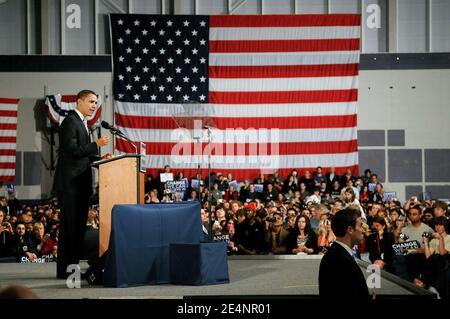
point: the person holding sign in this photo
(411, 265)
(183, 181)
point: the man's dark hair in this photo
(240, 213)
(20, 223)
(441, 220)
(416, 207)
(342, 220)
(379, 220)
(82, 94)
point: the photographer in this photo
(412, 201)
(326, 236)
(379, 244)
(352, 201)
(398, 225)
(6, 232)
(227, 234)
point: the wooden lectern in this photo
(120, 182)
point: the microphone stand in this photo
(99, 134)
(120, 134)
(209, 185)
(197, 139)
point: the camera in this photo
(426, 235)
(373, 229)
(324, 222)
(403, 237)
(6, 224)
(271, 219)
(322, 249)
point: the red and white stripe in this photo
(286, 84)
(69, 102)
(8, 134)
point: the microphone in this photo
(116, 131)
(112, 129)
(208, 127)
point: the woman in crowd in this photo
(290, 184)
(181, 178)
(379, 244)
(364, 194)
(302, 239)
(351, 201)
(326, 236)
(231, 194)
(45, 244)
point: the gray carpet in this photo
(250, 276)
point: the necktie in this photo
(85, 125)
(354, 253)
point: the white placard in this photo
(166, 177)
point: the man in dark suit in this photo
(73, 179)
(339, 275)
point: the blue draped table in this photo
(138, 252)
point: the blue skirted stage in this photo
(160, 244)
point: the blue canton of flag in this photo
(160, 59)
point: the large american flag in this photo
(280, 90)
(8, 133)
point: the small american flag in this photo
(59, 105)
(281, 90)
(8, 133)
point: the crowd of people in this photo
(29, 233)
(275, 215)
(293, 215)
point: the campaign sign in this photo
(166, 177)
(259, 188)
(10, 188)
(194, 183)
(426, 195)
(176, 186)
(387, 196)
(403, 248)
(234, 184)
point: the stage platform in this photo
(288, 276)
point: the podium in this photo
(120, 182)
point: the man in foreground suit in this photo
(339, 275)
(73, 179)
